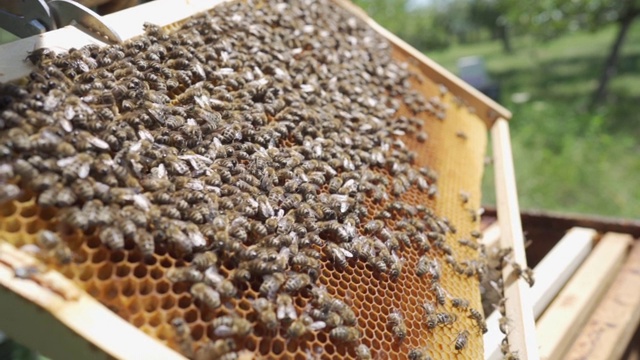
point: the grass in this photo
(567, 158)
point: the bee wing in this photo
(223, 330)
(141, 202)
(197, 239)
(291, 312)
(212, 276)
(317, 325)
(99, 143)
(346, 252)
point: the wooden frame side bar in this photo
(516, 290)
(491, 236)
(73, 325)
(560, 324)
(552, 273)
(616, 318)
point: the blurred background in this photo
(569, 70)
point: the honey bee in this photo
(464, 196)
(240, 275)
(396, 267)
(511, 355)
(187, 274)
(206, 295)
(378, 263)
(179, 239)
(479, 319)
(363, 352)
(504, 346)
(203, 261)
(434, 270)
(216, 349)
(348, 315)
(374, 226)
(284, 308)
(344, 334)
(302, 325)
(469, 243)
(48, 239)
(231, 326)
(40, 55)
(183, 336)
(337, 254)
(226, 289)
(446, 318)
(501, 306)
(112, 237)
(58, 249)
(296, 282)
(65, 197)
(503, 324)
(525, 273)
(460, 303)
(432, 321)
(433, 191)
(395, 320)
(440, 293)
(144, 241)
(418, 354)
(272, 284)
(266, 313)
(461, 340)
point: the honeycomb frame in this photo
(118, 282)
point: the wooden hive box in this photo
(139, 292)
(586, 293)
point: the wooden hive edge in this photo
(73, 325)
(610, 328)
(560, 324)
(518, 306)
(564, 259)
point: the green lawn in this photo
(567, 158)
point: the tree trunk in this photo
(612, 60)
(503, 33)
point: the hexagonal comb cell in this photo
(253, 179)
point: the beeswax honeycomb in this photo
(139, 289)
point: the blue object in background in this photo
(472, 70)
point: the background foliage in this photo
(572, 152)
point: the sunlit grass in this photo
(567, 158)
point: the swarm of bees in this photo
(224, 149)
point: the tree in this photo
(625, 16)
(551, 18)
(490, 14)
(418, 27)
